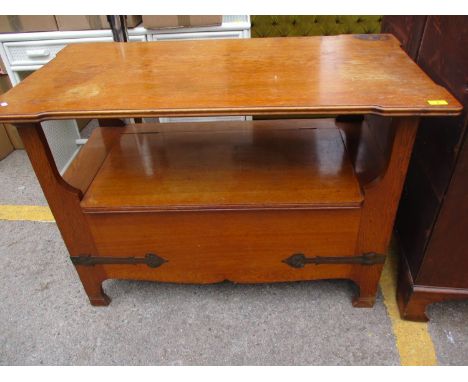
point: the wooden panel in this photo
(305, 75)
(218, 169)
(64, 201)
(413, 299)
(217, 126)
(382, 195)
(437, 147)
(5, 145)
(417, 213)
(407, 29)
(84, 167)
(241, 246)
(446, 260)
(368, 152)
(433, 215)
(443, 55)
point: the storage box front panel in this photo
(240, 246)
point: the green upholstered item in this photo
(282, 26)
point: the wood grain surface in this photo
(248, 168)
(344, 74)
(64, 201)
(244, 246)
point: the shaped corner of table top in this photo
(326, 75)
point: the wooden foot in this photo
(92, 279)
(412, 305)
(367, 282)
(360, 301)
(413, 299)
(414, 308)
(102, 300)
(364, 298)
(96, 294)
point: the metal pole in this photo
(118, 26)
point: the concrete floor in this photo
(45, 317)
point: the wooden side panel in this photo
(446, 260)
(439, 161)
(86, 164)
(64, 201)
(416, 215)
(381, 197)
(436, 149)
(444, 56)
(407, 29)
(368, 144)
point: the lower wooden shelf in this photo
(240, 168)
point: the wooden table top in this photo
(346, 74)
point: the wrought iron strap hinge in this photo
(299, 260)
(151, 260)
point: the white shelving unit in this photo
(23, 53)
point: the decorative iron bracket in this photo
(299, 260)
(151, 260)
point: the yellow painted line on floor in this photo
(26, 213)
(413, 340)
